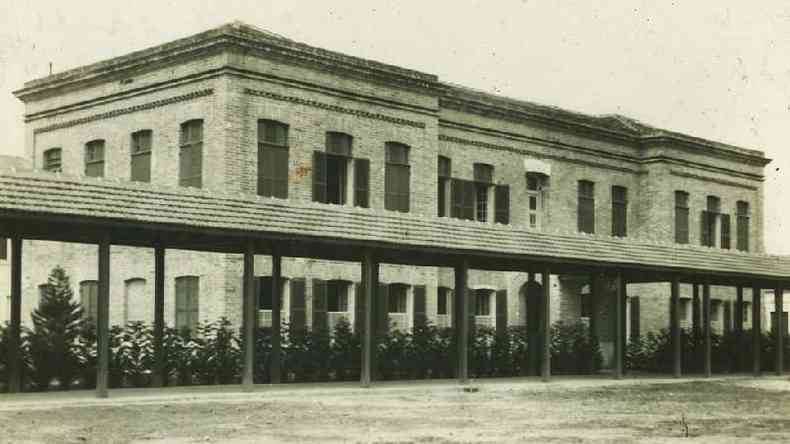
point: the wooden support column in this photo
(674, 326)
(249, 318)
(738, 310)
(462, 326)
(276, 292)
(103, 321)
(370, 285)
(159, 316)
(545, 368)
(595, 292)
(779, 329)
(14, 354)
(617, 321)
(696, 311)
(706, 329)
(756, 330)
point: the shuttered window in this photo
(362, 183)
(396, 300)
(89, 297)
(94, 158)
(397, 177)
(320, 317)
(681, 217)
(444, 173)
(502, 204)
(463, 199)
(743, 225)
(419, 315)
(443, 298)
(484, 175)
(190, 169)
(298, 315)
(187, 303)
(619, 211)
(272, 159)
(264, 287)
(586, 207)
(141, 156)
(52, 160)
(482, 303)
(708, 222)
(330, 169)
(337, 296)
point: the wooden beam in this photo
(103, 321)
(545, 368)
(779, 329)
(249, 318)
(462, 322)
(674, 326)
(370, 285)
(617, 320)
(275, 364)
(14, 340)
(159, 316)
(756, 330)
(706, 330)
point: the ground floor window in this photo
(397, 298)
(442, 301)
(337, 296)
(483, 302)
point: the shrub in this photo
(573, 349)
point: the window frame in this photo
(90, 306)
(619, 211)
(94, 166)
(397, 177)
(47, 162)
(682, 213)
(397, 298)
(193, 147)
(586, 206)
(141, 156)
(274, 154)
(192, 310)
(743, 222)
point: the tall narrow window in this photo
(443, 299)
(141, 156)
(337, 296)
(190, 170)
(725, 231)
(743, 225)
(272, 159)
(681, 217)
(330, 169)
(94, 158)
(708, 222)
(89, 293)
(397, 177)
(535, 184)
(52, 160)
(136, 306)
(463, 193)
(483, 302)
(484, 175)
(362, 183)
(586, 207)
(396, 301)
(445, 173)
(187, 302)
(619, 211)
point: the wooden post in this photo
(370, 283)
(462, 326)
(756, 330)
(249, 318)
(739, 311)
(595, 292)
(779, 330)
(623, 319)
(159, 315)
(103, 321)
(696, 312)
(14, 354)
(674, 326)
(545, 368)
(617, 367)
(276, 292)
(706, 329)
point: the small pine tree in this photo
(57, 324)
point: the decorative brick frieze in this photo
(128, 110)
(335, 108)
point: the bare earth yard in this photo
(576, 410)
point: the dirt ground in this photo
(650, 410)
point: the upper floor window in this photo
(330, 169)
(187, 302)
(89, 293)
(397, 177)
(272, 159)
(619, 211)
(445, 174)
(586, 207)
(535, 184)
(484, 176)
(94, 158)
(396, 300)
(52, 160)
(681, 217)
(743, 225)
(708, 221)
(141, 156)
(190, 169)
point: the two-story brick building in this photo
(236, 111)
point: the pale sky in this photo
(714, 69)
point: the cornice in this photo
(335, 108)
(716, 149)
(700, 166)
(127, 110)
(712, 179)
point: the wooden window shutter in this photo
(420, 316)
(743, 232)
(501, 312)
(319, 177)
(457, 194)
(382, 310)
(196, 170)
(725, 231)
(298, 316)
(362, 183)
(265, 165)
(502, 204)
(635, 317)
(194, 301)
(184, 167)
(705, 235)
(470, 193)
(359, 308)
(280, 172)
(320, 317)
